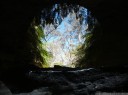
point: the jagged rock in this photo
(86, 81)
(40, 91)
(4, 90)
(76, 82)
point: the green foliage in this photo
(38, 50)
(87, 52)
(90, 50)
(65, 32)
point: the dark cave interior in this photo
(110, 50)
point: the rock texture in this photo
(79, 82)
(16, 17)
(112, 47)
(4, 90)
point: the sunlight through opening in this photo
(64, 27)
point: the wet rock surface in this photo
(75, 82)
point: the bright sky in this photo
(69, 32)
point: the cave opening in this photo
(63, 34)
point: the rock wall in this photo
(16, 17)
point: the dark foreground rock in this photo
(75, 82)
(4, 90)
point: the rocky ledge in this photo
(73, 82)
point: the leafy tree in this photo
(91, 48)
(64, 39)
(39, 54)
(80, 28)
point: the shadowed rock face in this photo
(16, 17)
(74, 82)
(112, 49)
(4, 90)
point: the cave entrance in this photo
(64, 27)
